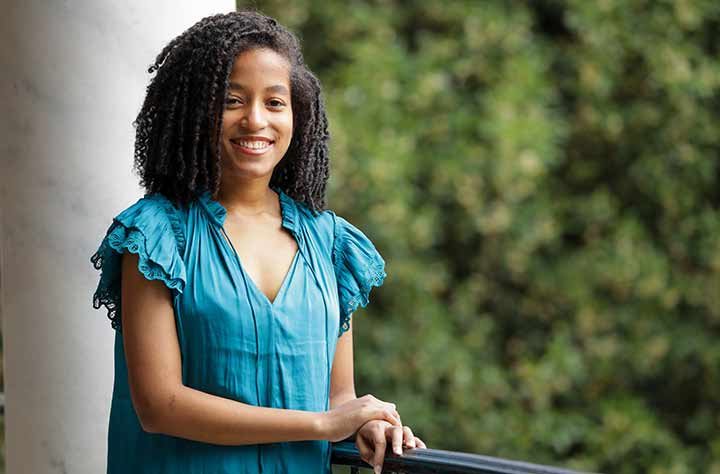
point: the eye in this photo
(276, 103)
(231, 101)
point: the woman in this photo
(230, 288)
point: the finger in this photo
(419, 443)
(379, 456)
(395, 434)
(390, 417)
(366, 452)
(408, 437)
(392, 408)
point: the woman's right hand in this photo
(344, 420)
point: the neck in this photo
(247, 196)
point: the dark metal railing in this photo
(435, 461)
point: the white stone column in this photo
(73, 78)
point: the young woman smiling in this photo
(229, 286)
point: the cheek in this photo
(288, 127)
(227, 124)
(290, 123)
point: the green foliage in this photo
(543, 180)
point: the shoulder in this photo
(151, 229)
(328, 229)
(357, 264)
(151, 207)
(315, 227)
(325, 225)
(155, 215)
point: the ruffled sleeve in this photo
(358, 267)
(150, 228)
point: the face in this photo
(257, 119)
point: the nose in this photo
(255, 116)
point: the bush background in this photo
(542, 178)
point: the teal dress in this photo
(235, 343)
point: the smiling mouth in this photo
(250, 143)
(251, 146)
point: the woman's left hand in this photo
(373, 437)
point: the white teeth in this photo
(254, 145)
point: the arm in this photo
(373, 437)
(342, 383)
(164, 405)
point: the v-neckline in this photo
(286, 280)
(217, 213)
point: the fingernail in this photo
(397, 451)
(378, 469)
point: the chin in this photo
(247, 170)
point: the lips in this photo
(250, 139)
(252, 145)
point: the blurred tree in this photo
(543, 179)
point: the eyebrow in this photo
(278, 88)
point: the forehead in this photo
(260, 66)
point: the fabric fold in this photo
(358, 268)
(289, 212)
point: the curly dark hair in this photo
(180, 122)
